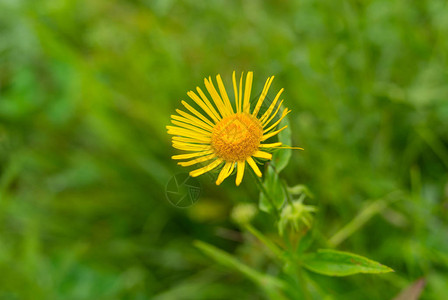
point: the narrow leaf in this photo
(267, 242)
(338, 263)
(265, 281)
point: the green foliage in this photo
(270, 284)
(87, 88)
(338, 263)
(272, 193)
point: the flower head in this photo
(224, 136)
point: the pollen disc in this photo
(236, 137)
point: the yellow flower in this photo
(223, 136)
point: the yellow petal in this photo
(266, 136)
(247, 90)
(272, 145)
(262, 154)
(268, 118)
(190, 147)
(235, 91)
(291, 148)
(187, 121)
(263, 95)
(188, 116)
(192, 120)
(216, 98)
(174, 130)
(208, 109)
(224, 95)
(205, 99)
(225, 172)
(195, 112)
(207, 168)
(191, 155)
(271, 107)
(190, 140)
(284, 114)
(240, 172)
(240, 95)
(254, 166)
(197, 160)
(191, 127)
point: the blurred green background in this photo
(87, 88)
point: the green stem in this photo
(302, 282)
(297, 274)
(261, 186)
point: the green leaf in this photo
(337, 263)
(276, 195)
(306, 241)
(272, 285)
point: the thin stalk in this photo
(261, 186)
(303, 285)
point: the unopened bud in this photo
(295, 215)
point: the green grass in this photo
(87, 88)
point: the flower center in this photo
(237, 137)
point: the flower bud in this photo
(295, 215)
